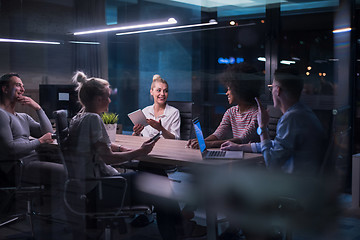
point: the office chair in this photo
(334, 153)
(12, 186)
(338, 142)
(185, 109)
(274, 115)
(81, 203)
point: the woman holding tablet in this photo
(160, 116)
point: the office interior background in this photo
(320, 38)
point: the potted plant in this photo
(110, 120)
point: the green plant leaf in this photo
(109, 118)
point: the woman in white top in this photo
(160, 116)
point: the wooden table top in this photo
(175, 152)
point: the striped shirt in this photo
(240, 125)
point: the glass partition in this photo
(189, 44)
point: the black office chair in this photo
(11, 186)
(335, 151)
(338, 143)
(274, 115)
(76, 200)
(185, 109)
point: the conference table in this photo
(175, 152)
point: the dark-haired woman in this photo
(239, 122)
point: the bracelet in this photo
(119, 148)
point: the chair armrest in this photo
(5, 170)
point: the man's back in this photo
(300, 143)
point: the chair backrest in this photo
(76, 198)
(338, 143)
(62, 126)
(185, 109)
(274, 115)
(62, 132)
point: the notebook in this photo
(213, 154)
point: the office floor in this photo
(56, 228)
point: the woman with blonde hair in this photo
(91, 150)
(160, 116)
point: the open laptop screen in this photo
(199, 135)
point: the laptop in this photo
(213, 154)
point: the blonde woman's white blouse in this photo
(170, 120)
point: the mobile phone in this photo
(156, 136)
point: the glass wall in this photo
(319, 38)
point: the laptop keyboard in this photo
(216, 153)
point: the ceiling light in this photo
(212, 22)
(26, 41)
(168, 22)
(262, 59)
(287, 62)
(78, 42)
(342, 30)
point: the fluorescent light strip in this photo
(26, 41)
(342, 30)
(168, 22)
(168, 28)
(287, 62)
(91, 43)
(214, 28)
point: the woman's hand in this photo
(28, 102)
(230, 146)
(155, 124)
(147, 146)
(46, 138)
(137, 129)
(119, 148)
(125, 149)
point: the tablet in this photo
(138, 117)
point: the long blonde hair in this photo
(88, 88)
